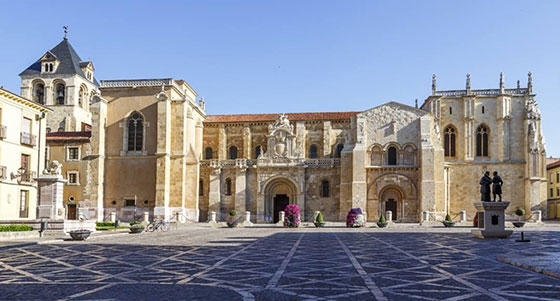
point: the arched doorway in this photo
(278, 194)
(391, 200)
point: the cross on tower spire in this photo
(65, 32)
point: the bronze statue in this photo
(485, 187)
(497, 186)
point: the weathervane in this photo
(65, 32)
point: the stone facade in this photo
(553, 172)
(148, 146)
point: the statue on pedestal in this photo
(497, 186)
(485, 187)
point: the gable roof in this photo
(273, 116)
(70, 62)
(402, 106)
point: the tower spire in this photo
(65, 32)
(434, 84)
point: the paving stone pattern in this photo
(277, 264)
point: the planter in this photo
(232, 224)
(382, 225)
(136, 230)
(81, 235)
(448, 224)
(319, 225)
(518, 224)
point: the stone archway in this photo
(391, 199)
(278, 193)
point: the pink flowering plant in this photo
(291, 217)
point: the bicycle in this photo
(158, 226)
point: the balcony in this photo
(3, 173)
(28, 139)
(3, 132)
(28, 177)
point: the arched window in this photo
(392, 156)
(482, 141)
(338, 150)
(409, 157)
(60, 94)
(39, 93)
(208, 153)
(325, 189)
(48, 130)
(313, 151)
(227, 188)
(376, 156)
(258, 151)
(81, 97)
(200, 187)
(135, 132)
(232, 152)
(449, 138)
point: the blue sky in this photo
(299, 56)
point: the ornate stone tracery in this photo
(281, 139)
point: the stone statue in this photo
(485, 187)
(54, 168)
(497, 186)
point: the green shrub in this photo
(233, 213)
(448, 218)
(15, 228)
(520, 212)
(134, 223)
(382, 218)
(105, 224)
(320, 218)
(136, 226)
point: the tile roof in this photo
(552, 164)
(274, 116)
(70, 62)
(68, 136)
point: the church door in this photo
(280, 202)
(72, 212)
(391, 205)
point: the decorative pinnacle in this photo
(518, 84)
(502, 85)
(468, 82)
(65, 32)
(530, 82)
(416, 103)
(434, 84)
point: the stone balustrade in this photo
(243, 163)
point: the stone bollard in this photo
(212, 217)
(113, 217)
(281, 215)
(462, 216)
(146, 216)
(247, 222)
(425, 216)
(389, 216)
(179, 217)
(315, 215)
(537, 216)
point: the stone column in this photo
(359, 185)
(96, 166)
(247, 142)
(161, 210)
(214, 196)
(240, 188)
(300, 138)
(222, 143)
(326, 138)
(51, 189)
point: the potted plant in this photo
(291, 218)
(382, 223)
(232, 219)
(80, 234)
(136, 227)
(319, 220)
(520, 212)
(355, 218)
(448, 222)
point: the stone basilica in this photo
(134, 146)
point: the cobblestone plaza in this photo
(267, 263)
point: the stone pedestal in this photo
(51, 188)
(113, 217)
(247, 222)
(212, 218)
(389, 216)
(146, 217)
(491, 220)
(281, 216)
(463, 217)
